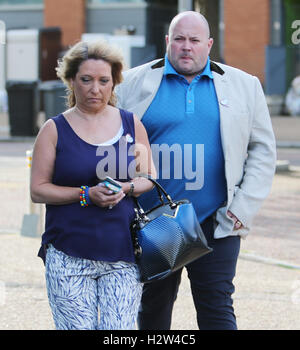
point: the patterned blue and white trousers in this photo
(79, 289)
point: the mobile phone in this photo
(112, 184)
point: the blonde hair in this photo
(68, 66)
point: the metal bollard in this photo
(29, 162)
(31, 222)
(29, 157)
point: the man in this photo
(186, 99)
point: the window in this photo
(21, 2)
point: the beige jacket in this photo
(247, 137)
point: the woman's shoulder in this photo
(47, 133)
(49, 126)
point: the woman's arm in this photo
(144, 162)
(42, 189)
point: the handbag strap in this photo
(160, 190)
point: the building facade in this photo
(261, 37)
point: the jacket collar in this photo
(213, 66)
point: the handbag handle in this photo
(160, 190)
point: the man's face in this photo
(188, 46)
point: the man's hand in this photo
(237, 223)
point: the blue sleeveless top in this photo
(91, 232)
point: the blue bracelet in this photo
(87, 196)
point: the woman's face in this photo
(93, 85)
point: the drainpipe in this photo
(221, 29)
(185, 5)
(276, 23)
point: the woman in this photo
(87, 245)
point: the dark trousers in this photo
(211, 284)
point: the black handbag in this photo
(166, 237)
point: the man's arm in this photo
(260, 165)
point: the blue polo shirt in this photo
(183, 126)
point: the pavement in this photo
(267, 295)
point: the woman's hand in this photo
(103, 197)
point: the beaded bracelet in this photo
(84, 196)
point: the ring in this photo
(110, 206)
(238, 223)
